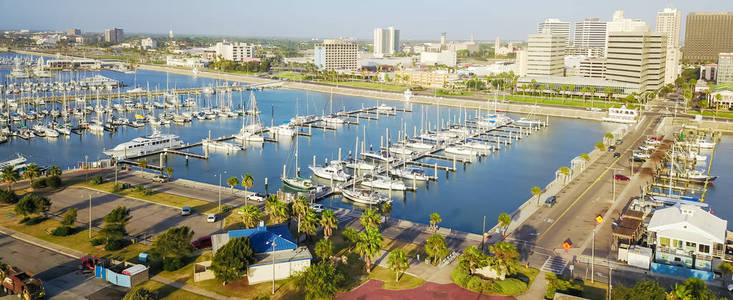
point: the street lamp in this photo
(273, 264)
(613, 180)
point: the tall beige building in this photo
(725, 68)
(637, 58)
(336, 55)
(707, 35)
(545, 54)
(669, 22)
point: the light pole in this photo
(273, 267)
(613, 181)
(593, 255)
(90, 216)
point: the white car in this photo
(256, 197)
(211, 218)
(318, 208)
(185, 211)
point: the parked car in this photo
(550, 201)
(318, 208)
(621, 177)
(256, 197)
(639, 159)
(185, 211)
(619, 141)
(211, 218)
(611, 148)
(202, 242)
(616, 154)
(160, 179)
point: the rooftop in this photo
(689, 223)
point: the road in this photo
(60, 274)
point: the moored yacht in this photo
(334, 171)
(145, 144)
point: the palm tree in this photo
(505, 220)
(329, 222)
(679, 292)
(247, 183)
(434, 220)
(309, 225)
(474, 258)
(54, 171)
(169, 171)
(31, 172)
(565, 171)
(585, 156)
(300, 208)
(10, 175)
(232, 181)
(601, 146)
(608, 138)
(251, 215)
(369, 218)
(369, 243)
(592, 92)
(271, 206)
(571, 89)
(609, 92)
(397, 262)
(725, 269)
(537, 191)
(142, 163)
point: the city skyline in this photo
(330, 19)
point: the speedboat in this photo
(400, 150)
(419, 146)
(382, 156)
(332, 120)
(410, 173)
(331, 171)
(283, 130)
(219, 145)
(385, 108)
(460, 150)
(13, 162)
(478, 146)
(360, 165)
(365, 196)
(145, 144)
(383, 182)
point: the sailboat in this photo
(297, 183)
(331, 119)
(251, 127)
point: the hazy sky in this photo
(417, 19)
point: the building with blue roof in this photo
(287, 258)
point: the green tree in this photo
(247, 182)
(31, 172)
(369, 218)
(505, 255)
(565, 172)
(10, 175)
(115, 223)
(169, 171)
(726, 270)
(319, 281)
(608, 138)
(504, 221)
(643, 290)
(142, 163)
(231, 261)
(309, 225)
(70, 217)
(397, 262)
(251, 216)
(600, 146)
(679, 292)
(435, 248)
(324, 249)
(474, 258)
(300, 208)
(276, 209)
(537, 192)
(585, 156)
(175, 242)
(32, 204)
(698, 289)
(54, 171)
(368, 245)
(555, 284)
(329, 222)
(434, 220)
(141, 294)
(231, 182)
(351, 235)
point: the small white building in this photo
(186, 62)
(726, 98)
(445, 57)
(688, 236)
(148, 43)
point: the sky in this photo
(416, 19)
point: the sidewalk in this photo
(189, 288)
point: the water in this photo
(499, 183)
(718, 194)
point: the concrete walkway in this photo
(190, 288)
(537, 290)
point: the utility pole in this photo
(592, 256)
(483, 234)
(90, 216)
(219, 192)
(273, 267)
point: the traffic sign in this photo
(599, 219)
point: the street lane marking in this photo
(539, 238)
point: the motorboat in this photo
(283, 130)
(419, 146)
(64, 129)
(95, 127)
(697, 175)
(385, 108)
(400, 150)
(529, 122)
(144, 144)
(333, 171)
(360, 165)
(704, 144)
(381, 156)
(382, 182)
(219, 145)
(365, 196)
(20, 160)
(460, 150)
(298, 183)
(332, 120)
(479, 146)
(410, 173)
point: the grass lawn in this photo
(159, 197)
(708, 113)
(78, 241)
(169, 292)
(569, 102)
(452, 94)
(595, 290)
(406, 281)
(368, 85)
(290, 75)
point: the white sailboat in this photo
(383, 182)
(297, 183)
(251, 126)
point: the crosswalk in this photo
(554, 264)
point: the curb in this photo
(19, 236)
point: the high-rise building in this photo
(725, 68)
(669, 21)
(592, 67)
(556, 27)
(170, 34)
(545, 54)
(637, 58)
(336, 54)
(234, 51)
(73, 31)
(707, 35)
(621, 24)
(522, 60)
(590, 34)
(386, 41)
(114, 35)
(497, 44)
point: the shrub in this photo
(460, 275)
(148, 191)
(97, 241)
(32, 220)
(8, 197)
(62, 231)
(510, 286)
(117, 188)
(53, 181)
(172, 263)
(226, 208)
(113, 245)
(475, 284)
(38, 184)
(97, 180)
